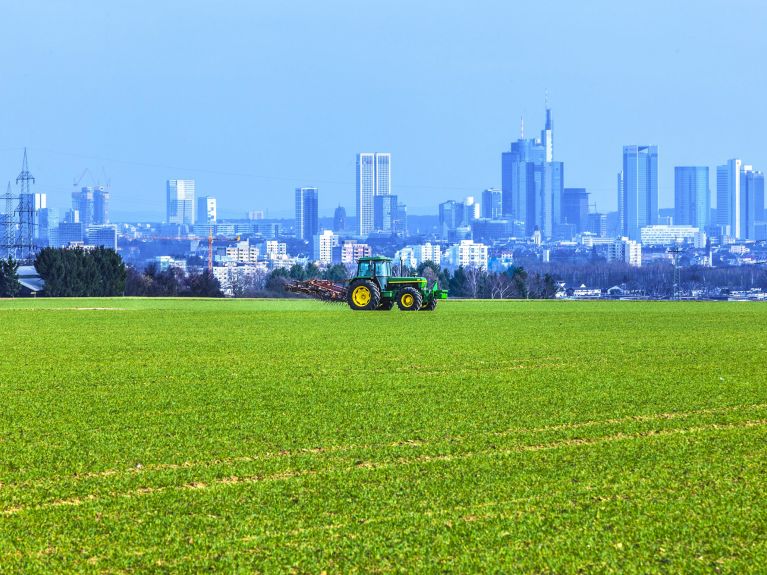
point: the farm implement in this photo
(374, 288)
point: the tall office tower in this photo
(547, 137)
(728, 198)
(180, 202)
(373, 179)
(575, 208)
(752, 201)
(492, 204)
(532, 183)
(522, 181)
(640, 189)
(549, 210)
(471, 211)
(597, 224)
(692, 197)
(206, 210)
(400, 222)
(339, 219)
(101, 205)
(384, 213)
(621, 199)
(450, 217)
(83, 202)
(307, 214)
(46, 224)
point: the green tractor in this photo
(374, 287)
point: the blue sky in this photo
(254, 98)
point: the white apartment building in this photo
(625, 250)
(322, 246)
(242, 252)
(467, 253)
(352, 251)
(230, 274)
(415, 255)
(275, 249)
(662, 235)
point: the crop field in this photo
(295, 436)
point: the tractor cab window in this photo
(383, 269)
(364, 270)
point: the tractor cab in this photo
(375, 268)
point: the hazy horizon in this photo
(252, 101)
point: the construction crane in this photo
(76, 181)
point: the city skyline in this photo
(449, 104)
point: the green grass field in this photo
(295, 436)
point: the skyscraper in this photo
(752, 201)
(307, 213)
(549, 209)
(206, 210)
(373, 179)
(692, 197)
(728, 198)
(101, 199)
(492, 203)
(575, 208)
(83, 202)
(640, 189)
(180, 196)
(339, 219)
(532, 183)
(384, 212)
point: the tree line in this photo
(171, 282)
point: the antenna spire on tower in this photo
(521, 127)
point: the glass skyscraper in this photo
(373, 179)
(639, 201)
(532, 183)
(692, 196)
(180, 196)
(575, 208)
(752, 201)
(492, 207)
(728, 198)
(307, 213)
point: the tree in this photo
(312, 271)
(297, 272)
(81, 273)
(475, 278)
(500, 285)
(518, 277)
(336, 273)
(202, 284)
(9, 278)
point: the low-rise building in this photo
(351, 250)
(468, 254)
(414, 255)
(625, 250)
(667, 235)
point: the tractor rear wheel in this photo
(430, 306)
(363, 295)
(409, 299)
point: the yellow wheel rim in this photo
(361, 296)
(407, 300)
